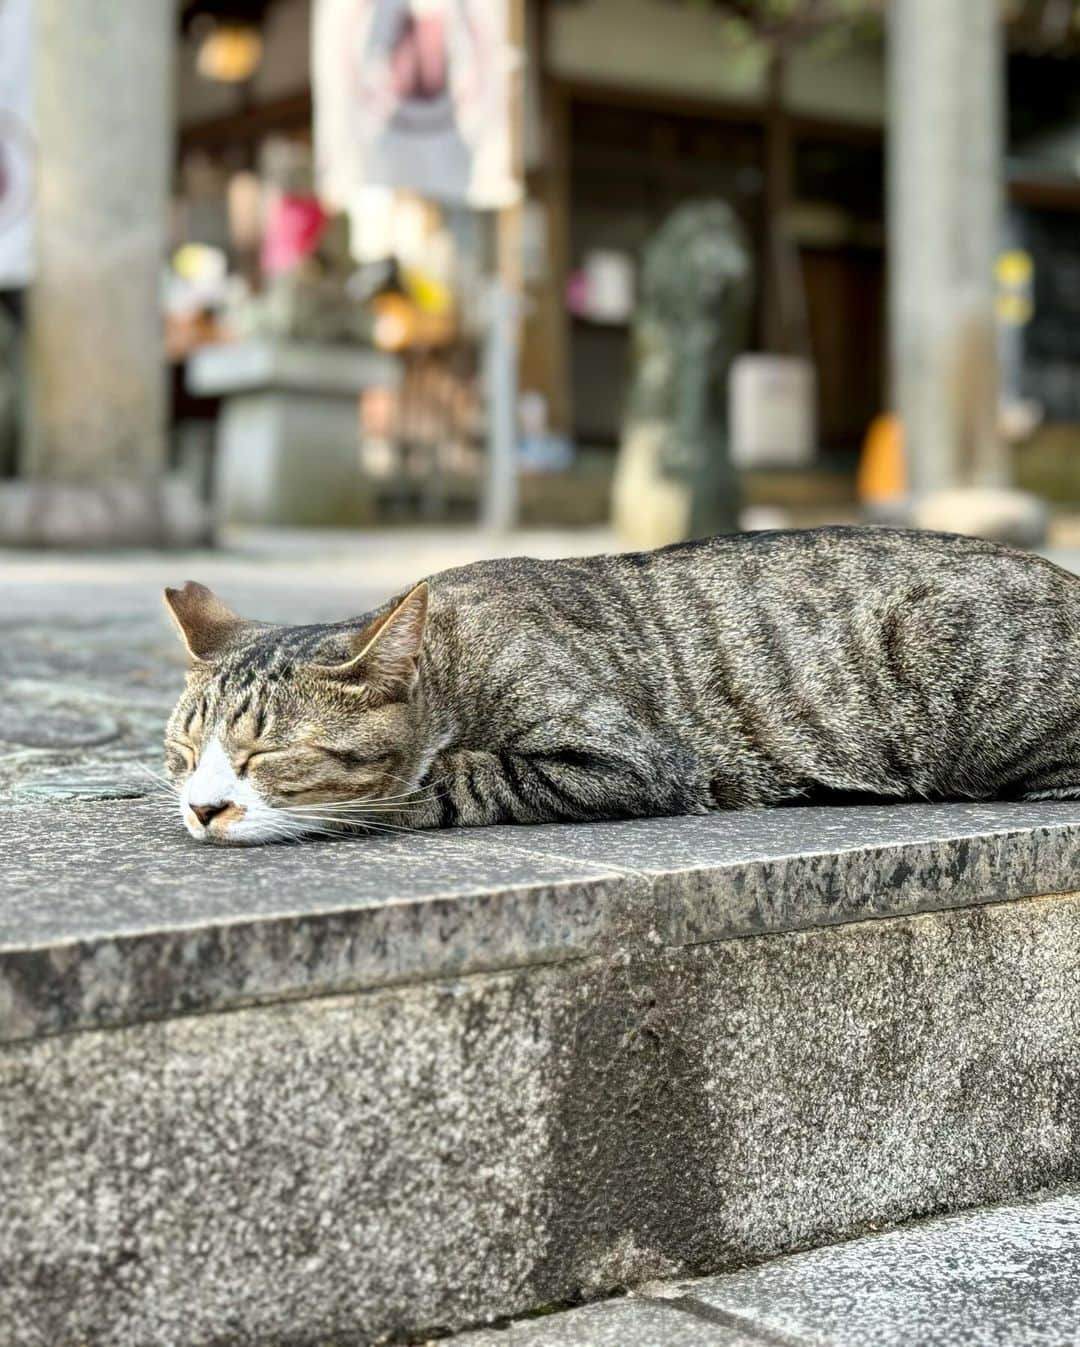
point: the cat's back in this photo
(749, 575)
(822, 618)
(857, 597)
(826, 563)
(885, 661)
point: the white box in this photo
(772, 410)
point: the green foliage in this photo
(1039, 26)
(790, 22)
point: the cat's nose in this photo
(205, 812)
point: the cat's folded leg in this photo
(1067, 787)
(472, 787)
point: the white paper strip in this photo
(16, 145)
(413, 94)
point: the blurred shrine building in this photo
(625, 110)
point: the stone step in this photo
(1008, 1275)
(380, 1087)
(112, 915)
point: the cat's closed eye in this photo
(256, 755)
(348, 757)
(306, 770)
(179, 756)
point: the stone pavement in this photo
(89, 664)
(1004, 1276)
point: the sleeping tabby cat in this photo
(755, 669)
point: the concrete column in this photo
(945, 195)
(93, 468)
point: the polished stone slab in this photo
(110, 913)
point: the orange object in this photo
(882, 475)
(400, 324)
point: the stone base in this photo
(290, 458)
(288, 439)
(116, 514)
(397, 1163)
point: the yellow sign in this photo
(1014, 272)
(1013, 310)
(1014, 269)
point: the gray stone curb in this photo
(110, 914)
(383, 1166)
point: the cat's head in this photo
(282, 731)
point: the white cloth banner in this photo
(413, 94)
(16, 146)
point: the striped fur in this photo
(750, 670)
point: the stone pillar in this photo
(93, 471)
(945, 199)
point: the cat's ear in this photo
(388, 648)
(207, 626)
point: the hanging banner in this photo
(16, 146)
(413, 94)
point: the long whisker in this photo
(369, 824)
(406, 781)
(383, 799)
(411, 790)
(154, 776)
(288, 830)
(360, 806)
(415, 791)
(301, 833)
(161, 783)
(375, 807)
(411, 799)
(347, 822)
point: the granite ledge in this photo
(1005, 1274)
(110, 914)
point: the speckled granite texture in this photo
(999, 1277)
(618, 1323)
(338, 1170)
(1005, 1277)
(110, 913)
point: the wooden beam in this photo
(1045, 193)
(750, 114)
(293, 112)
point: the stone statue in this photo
(306, 265)
(311, 303)
(674, 478)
